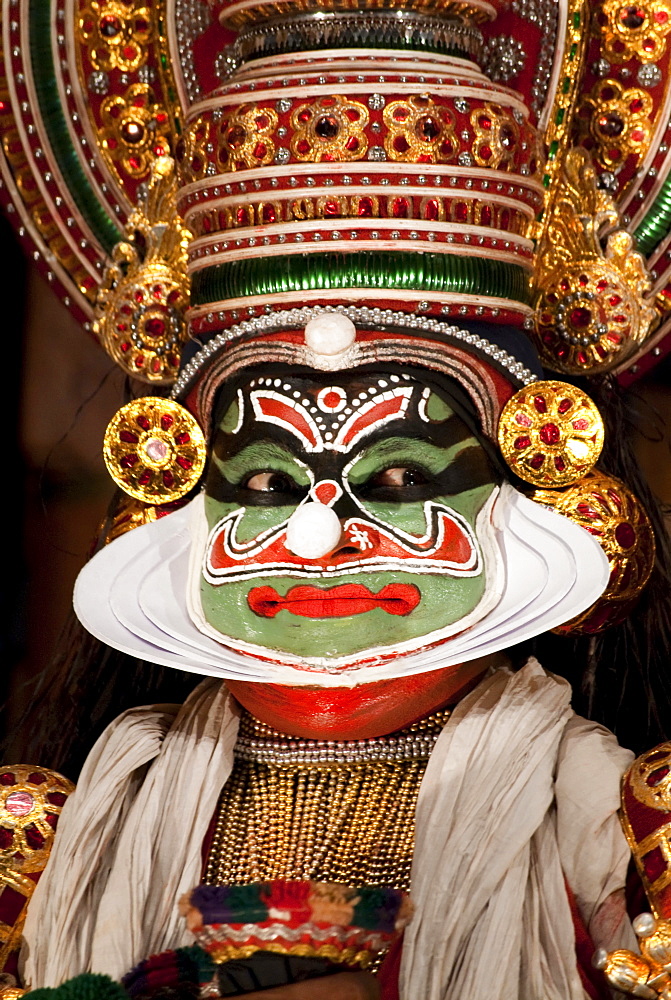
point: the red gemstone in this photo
(143, 422)
(564, 405)
(632, 17)
(560, 464)
(536, 461)
(400, 208)
(461, 212)
(625, 536)
(657, 775)
(183, 438)
(109, 26)
(128, 461)
(580, 317)
(327, 127)
(610, 124)
(636, 105)
(269, 214)
(485, 152)
(549, 434)
(132, 132)
(128, 437)
(184, 462)
(540, 404)
(365, 209)
(155, 327)
(582, 424)
(145, 478)
(428, 128)
(260, 150)
(521, 442)
(485, 216)
(432, 210)
(522, 419)
(167, 421)
(168, 478)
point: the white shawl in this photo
(519, 794)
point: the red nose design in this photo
(325, 493)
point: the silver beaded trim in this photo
(316, 753)
(383, 319)
(383, 29)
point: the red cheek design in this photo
(336, 602)
(449, 547)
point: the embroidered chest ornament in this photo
(347, 516)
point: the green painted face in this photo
(344, 519)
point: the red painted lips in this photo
(337, 602)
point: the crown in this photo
(384, 169)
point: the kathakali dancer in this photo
(329, 242)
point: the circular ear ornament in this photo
(606, 508)
(550, 434)
(154, 450)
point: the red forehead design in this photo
(327, 424)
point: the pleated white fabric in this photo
(130, 840)
(518, 796)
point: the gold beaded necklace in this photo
(322, 810)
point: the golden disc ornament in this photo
(550, 434)
(154, 450)
(609, 510)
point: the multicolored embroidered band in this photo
(347, 926)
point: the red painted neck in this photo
(361, 712)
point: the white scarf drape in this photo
(518, 794)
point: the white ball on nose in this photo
(313, 531)
(330, 334)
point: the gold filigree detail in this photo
(131, 513)
(435, 207)
(636, 30)
(191, 150)
(154, 450)
(420, 131)
(31, 799)
(246, 138)
(647, 975)
(619, 121)
(605, 507)
(550, 433)
(135, 129)
(117, 35)
(650, 778)
(139, 314)
(560, 119)
(331, 128)
(590, 307)
(496, 137)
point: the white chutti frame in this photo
(133, 596)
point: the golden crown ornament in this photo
(608, 509)
(550, 434)
(139, 315)
(154, 450)
(591, 311)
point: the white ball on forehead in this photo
(330, 334)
